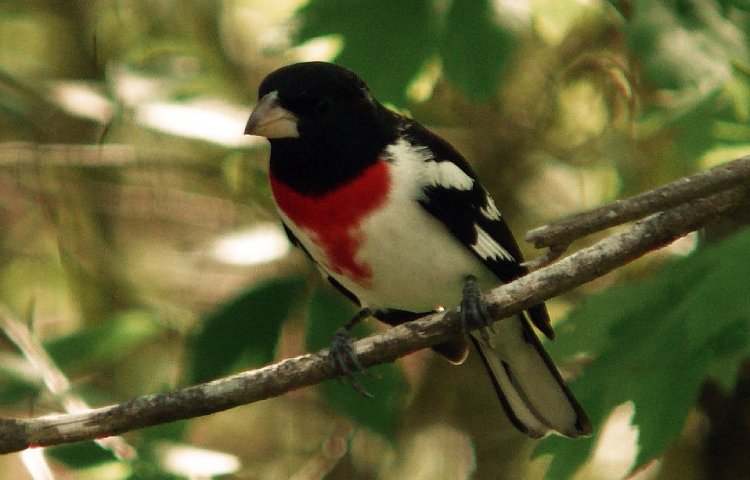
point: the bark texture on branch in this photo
(723, 177)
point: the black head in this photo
(317, 102)
(316, 89)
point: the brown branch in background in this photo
(273, 380)
(559, 235)
(54, 379)
(17, 154)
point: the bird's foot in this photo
(341, 356)
(474, 312)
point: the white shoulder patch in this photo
(490, 210)
(416, 166)
(403, 152)
(447, 175)
(487, 247)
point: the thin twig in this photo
(560, 234)
(273, 380)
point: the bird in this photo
(394, 217)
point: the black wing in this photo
(473, 218)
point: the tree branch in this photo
(600, 258)
(559, 235)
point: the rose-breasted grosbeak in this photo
(395, 219)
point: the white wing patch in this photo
(405, 153)
(490, 210)
(487, 247)
(447, 175)
(417, 167)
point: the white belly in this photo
(417, 267)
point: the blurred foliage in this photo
(122, 166)
(411, 34)
(666, 337)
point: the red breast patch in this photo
(333, 220)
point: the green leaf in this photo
(81, 455)
(654, 343)
(386, 42)
(327, 312)
(475, 48)
(244, 331)
(14, 390)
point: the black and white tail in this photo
(529, 386)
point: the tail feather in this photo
(527, 382)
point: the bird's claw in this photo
(474, 312)
(344, 361)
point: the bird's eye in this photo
(323, 107)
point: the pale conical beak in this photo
(271, 120)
